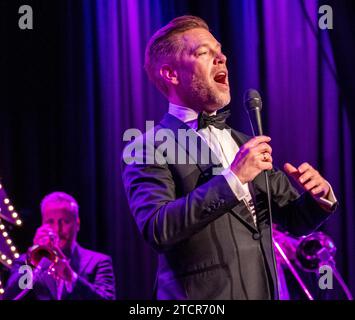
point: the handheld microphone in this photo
(253, 105)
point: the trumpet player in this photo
(74, 273)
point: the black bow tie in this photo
(218, 120)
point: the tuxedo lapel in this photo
(205, 158)
(238, 138)
(80, 260)
(242, 212)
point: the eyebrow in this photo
(205, 45)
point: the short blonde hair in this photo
(164, 46)
(61, 198)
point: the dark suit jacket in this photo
(95, 279)
(208, 246)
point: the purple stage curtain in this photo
(272, 46)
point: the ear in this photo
(169, 74)
(77, 224)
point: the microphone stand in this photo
(259, 130)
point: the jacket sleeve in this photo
(101, 288)
(165, 220)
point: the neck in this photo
(69, 250)
(179, 102)
(174, 99)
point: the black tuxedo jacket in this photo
(208, 245)
(95, 281)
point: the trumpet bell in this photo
(36, 253)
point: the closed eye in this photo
(202, 53)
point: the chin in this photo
(220, 102)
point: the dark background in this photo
(64, 107)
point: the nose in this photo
(57, 227)
(220, 58)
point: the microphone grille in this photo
(252, 100)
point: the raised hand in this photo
(309, 179)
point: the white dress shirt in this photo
(224, 146)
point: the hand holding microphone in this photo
(255, 155)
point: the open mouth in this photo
(221, 77)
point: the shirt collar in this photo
(184, 114)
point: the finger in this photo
(265, 157)
(318, 191)
(304, 167)
(262, 147)
(41, 237)
(60, 252)
(306, 176)
(257, 140)
(311, 184)
(43, 232)
(52, 235)
(265, 165)
(291, 170)
(45, 227)
(54, 273)
(51, 271)
(43, 241)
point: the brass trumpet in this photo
(37, 252)
(41, 258)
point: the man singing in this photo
(212, 232)
(78, 274)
